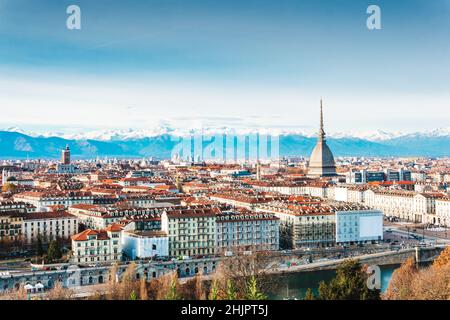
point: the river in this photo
(294, 285)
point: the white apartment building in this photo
(440, 177)
(94, 216)
(42, 200)
(247, 231)
(191, 231)
(62, 168)
(241, 201)
(141, 182)
(303, 224)
(95, 246)
(321, 190)
(150, 201)
(280, 187)
(443, 211)
(12, 206)
(98, 217)
(349, 193)
(142, 201)
(409, 205)
(418, 176)
(145, 244)
(359, 226)
(49, 225)
(315, 189)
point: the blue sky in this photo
(235, 63)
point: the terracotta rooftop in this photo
(47, 215)
(84, 236)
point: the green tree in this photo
(39, 246)
(133, 295)
(54, 251)
(350, 283)
(173, 291)
(309, 295)
(213, 295)
(253, 292)
(231, 290)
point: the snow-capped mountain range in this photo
(135, 134)
(161, 141)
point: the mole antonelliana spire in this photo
(321, 162)
(321, 131)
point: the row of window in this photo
(183, 245)
(191, 252)
(51, 223)
(93, 259)
(95, 252)
(92, 244)
(251, 236)
(10, 220)
(247, 241)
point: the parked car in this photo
(422, 244)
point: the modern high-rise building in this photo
(321, 162)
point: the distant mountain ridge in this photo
(14, 144)
(135, 134)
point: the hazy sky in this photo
(235, 63)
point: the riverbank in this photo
(293, 286)
(385, 258)
(395, 257)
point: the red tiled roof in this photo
(84, 236)
(114, 228)
(101, 234)
(193, 212)
(84, 206)
(47, 215)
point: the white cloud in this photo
(58, 101)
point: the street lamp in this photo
(423, 234)
(435, 232)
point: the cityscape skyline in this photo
(241, 150)
(223, 144)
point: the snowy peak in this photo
(371, 135)
(18, 130)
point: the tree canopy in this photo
(412, 283)
(54, 251)
(350, 283)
